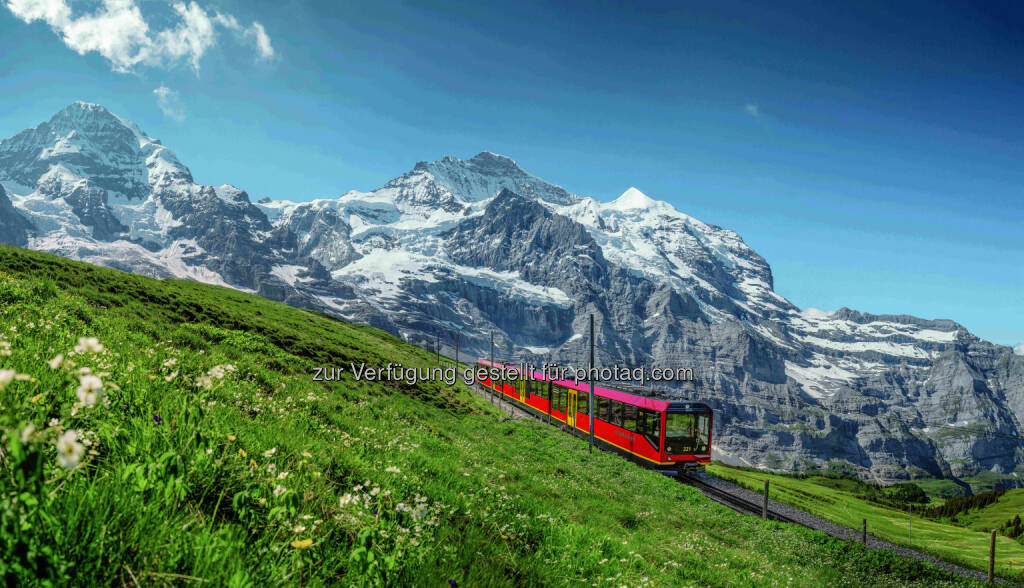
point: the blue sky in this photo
(873, 155)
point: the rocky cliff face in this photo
(478, 246)
(13, 226)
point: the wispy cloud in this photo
(752, 109)
(170, 103)
(1019, 350)
(118, 31)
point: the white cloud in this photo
(752, 110)
(117, 31)
(262, 40)
(170, 103)
(1019, 350)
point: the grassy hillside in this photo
(839, 501)
(168, 432)
(993, 516)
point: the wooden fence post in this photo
(764, 507)
(864, 531)
(992, 558)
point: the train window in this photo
(583, 400)
(687, 433)
(616, 413)
(649, 425)
(563, 399)
(704, 431)
(629, 417)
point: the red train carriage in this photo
(666, 436)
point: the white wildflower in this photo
(88, 345)
(6, 376)
(69, 450)
(89, 390)
(56, 362)
(419, 512)
(279, 490)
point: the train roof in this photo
(641, 401)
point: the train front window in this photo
(687, 433)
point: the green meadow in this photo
(839, 501)
(170, 433)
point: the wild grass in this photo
(170, 433)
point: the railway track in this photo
(734, 502)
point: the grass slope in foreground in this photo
(837, 501)
(187, 442)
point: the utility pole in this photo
(864, 531)
(590, 398)
(491, 369)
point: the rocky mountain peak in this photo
(489, 159)
(88, 142)
(633, 198)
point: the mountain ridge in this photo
(479, 245)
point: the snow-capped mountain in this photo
(479, 245)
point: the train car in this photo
(670, 437)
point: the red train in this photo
(666, 436)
